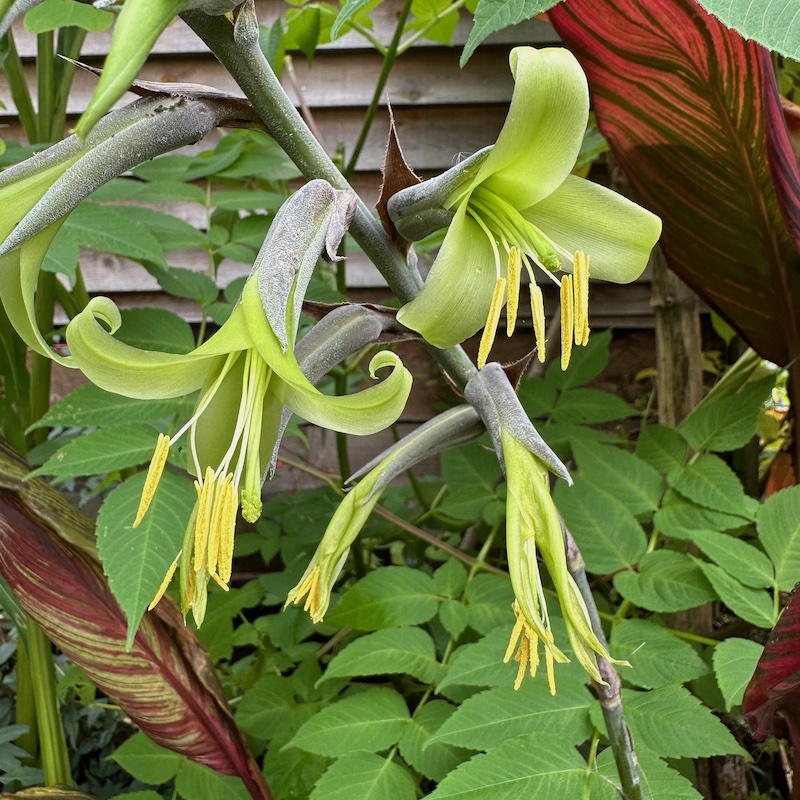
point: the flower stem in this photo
(610, 695)
(20, 93)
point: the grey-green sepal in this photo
(424, 208)
(346, 330)
(310, 224)
(495, 400)
(451, 428)
(121, 140)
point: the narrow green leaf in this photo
(387, 598)
(779, 530)
(481, 663)
(586, 362)
(171, 232)
(659, 781)
(198, 782)
(666, 581)
(409, 650)
(137, 559)
(753, 605)
(657, 657)
(349, 8)
(363, 776)
(247, 199)
(734, 663)
(471, 467)
(53, 14)
(663, 448)
(711, 483)
(372, 720)
(488, 600)
(182, 282)
(159, 191)
(746, 563)
(679, 517)
(591, 406)
(146, 761)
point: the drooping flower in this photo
(515, 206)
(247, 372)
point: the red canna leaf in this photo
(691, 112)
(165, 683)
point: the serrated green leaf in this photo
(372, 720)
(436, 760)
(657, 658)
(753, 605)
(535, 765)
(197, 782)
(673, 723)
(62, 255)
(247, 200)
(137, 559)
(155, 329)
(666, 581)
(632, 481)
(495, 15)
(363, 776)
(679, 517)
(779, 530)
(269, 707)
(349, 9)
(659, 781)
(488, 599)
(663, 448)
(590, 406)
(146, 761)
(54, 14)
(710, 482)
(454, 617)
(473, 467)
(103, 451)
(606, 531)
(734, 664)
(481, 663)
(171, 232)
(585, 364)
(431, 17)
(745, 562)
(449, 580)
(492, 717)
(293, 772)
(467, 503)
(387, 598)
(157, 191)
(409, 650)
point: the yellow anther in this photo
(490, 331)
(228, 529)
(515, 634)
(537, 309)
(154, 472)
(308, 588)
(549, 663)
(581, 287)
(512, 305)
(165, 583)
(202, 524)
(567, 320)
(216, 531)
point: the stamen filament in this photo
(490, 330)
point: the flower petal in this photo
(455, 300)
(542, 135)
(614, 232)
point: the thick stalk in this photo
(20, 93)
(248, 67)
(25, 702)
(70, 42)
(41, 366)
(610, 693)
(45, 77)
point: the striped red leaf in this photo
(692, 115)
(165, 683)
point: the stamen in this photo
(154, 473)
(227, 532)
(581, 279)
(515, 634)
(165, 583)
(203, 523)
(512, 304)
(537, 310)
(551, 673)
(567, 320)
(523, 657)
(490, 331)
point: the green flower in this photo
(246, 372)
(516, 206)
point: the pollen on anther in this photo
(490, 331)
(165, 583)
(512, 305)
(154, 472)
(567, 320)
(203, 523)
(581, 299)
(537, 310)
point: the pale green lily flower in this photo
(247, 372)
(516, 206)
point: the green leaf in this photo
(89, 405)
(147, 794)
(155, 329)
(363, 776)
(536, 765)
(137, 559)
(657, 657)
(495, 15)
(146, 761)
(386, 652)
(387, 598)
(745, 562)
(711, 483)
(734, 663)
(472, 467)
(171, 232)
(182, 282)
(481, 663)
(372, 720)
(776, 26)
(586, 362)
(269, 710)
(728, 422)
(100, 452)
(590, 406)
(349, 8)
(632, 481)
(197, 782)
(666, 581)
(492, 717)
(488, 600)
(454, 617)
(54, 14)
(672, 722)
(62, 255)
(247, 200)
(607, 533)
(680, 518)
(662, 448)
(436, 760)
(434, 13)
(659, 781)
(157, 191)
(468, 503)
(449, 580)
(753, 605)
(293, 772)
(779, 530)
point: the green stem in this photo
(242, 57)
(70, 42)
(53, 749)
(45, 77)
(369, 36)
(25, 709)
(41, 366)
(388, 63)
(20, 93)
(610, 692)
(434, 20)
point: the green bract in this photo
(517, 201)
